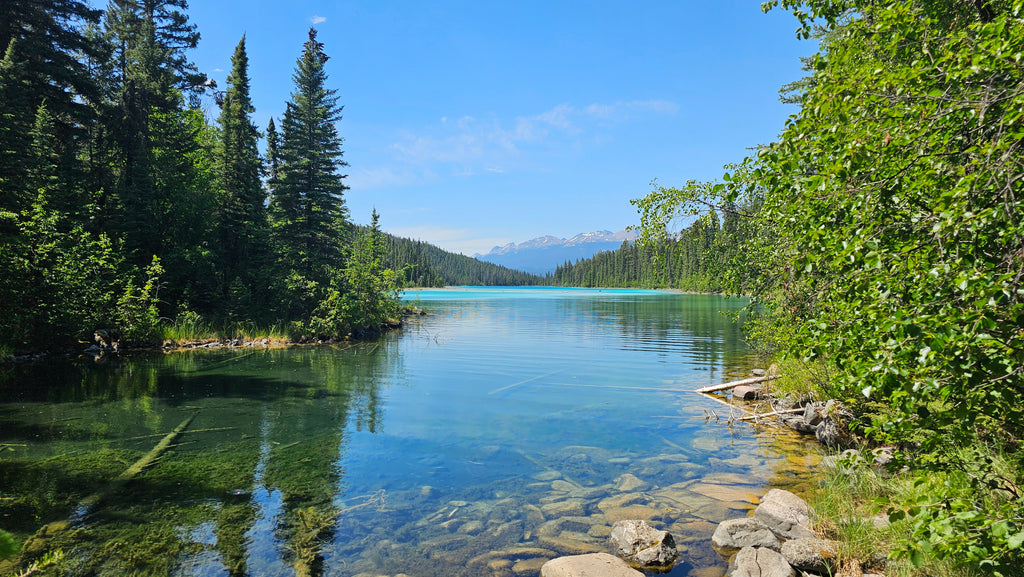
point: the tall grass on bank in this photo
(882, 520)
(189, 327)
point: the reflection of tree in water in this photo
(701, 327)
(308, 440)
(269, 423)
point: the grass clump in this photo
(916, 523)
(189, 327)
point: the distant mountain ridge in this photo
(543, 254)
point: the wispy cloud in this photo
(367, 178)
(318, 19)
(472, 146)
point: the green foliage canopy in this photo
(891, 240)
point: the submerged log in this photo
(732, 384)
(36, 545)
(138, 466)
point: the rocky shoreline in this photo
(778, 538)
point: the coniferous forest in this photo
(123, 206)
(694, 259)
(425, 265)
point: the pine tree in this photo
(308, 208)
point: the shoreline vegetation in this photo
(196, 334)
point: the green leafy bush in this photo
(137, 312)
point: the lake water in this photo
(506, 427)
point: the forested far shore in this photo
(701, 257)
(422, 264)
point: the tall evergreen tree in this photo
(45, 50)
(156, 140)
(308, 208)
(243, 223)
(15, 120)
(51, 46)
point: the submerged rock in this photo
(591, 565)
(529, 566)
(629, 482)
(568, 507)
(726, 493)
(641, 545)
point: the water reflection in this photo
(250, 488)
(482, 440)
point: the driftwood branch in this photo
(771, 414)
(732, 384)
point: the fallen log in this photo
(731, 384)
(771, 414)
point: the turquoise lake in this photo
(503, 428)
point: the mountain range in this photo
(543, 254)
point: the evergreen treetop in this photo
(308, 208)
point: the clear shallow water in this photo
(506, 427)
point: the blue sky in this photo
(474, 124)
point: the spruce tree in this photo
(273, 152)
(308, 208)
(51, 49)
(16, 117)
(155, 136)
(243, 223)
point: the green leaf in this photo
(917, 558)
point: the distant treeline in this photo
(696, 258)
(426, 265)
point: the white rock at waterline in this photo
(759, 562)
(590, 565)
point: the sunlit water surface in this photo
(504, 428)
